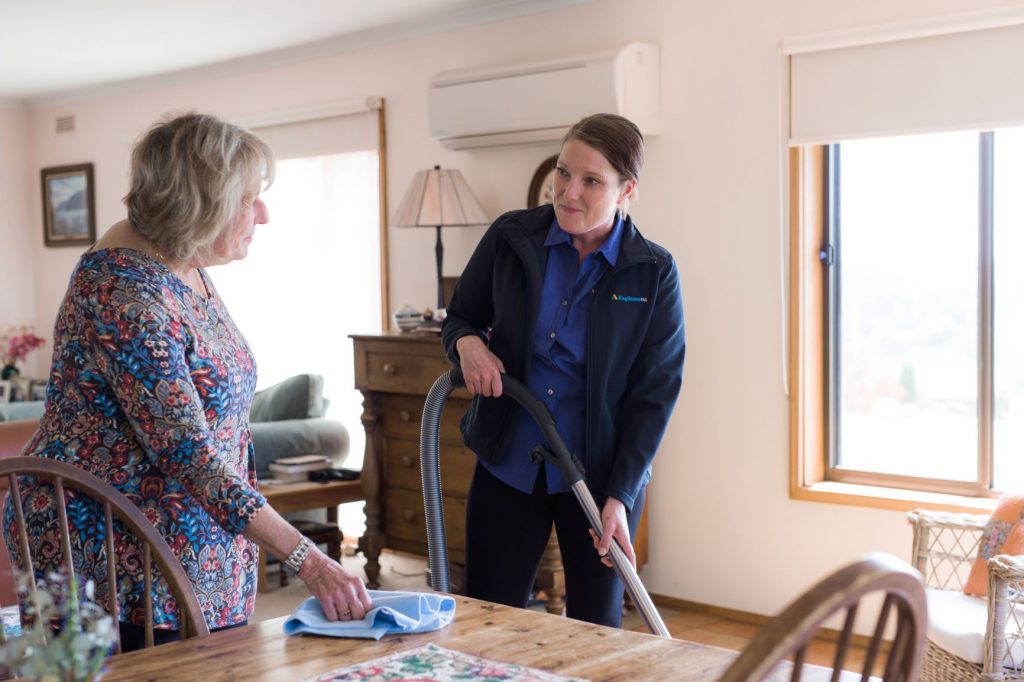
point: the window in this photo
(318, 271)
(903, 334)
(908, 312)
(310, 280)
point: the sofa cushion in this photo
(291, 437)
(14, 436)
(300, 397)
(956, 623)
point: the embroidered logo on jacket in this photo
(629, 299)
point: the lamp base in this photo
(439, 257)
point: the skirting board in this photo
(827, 634)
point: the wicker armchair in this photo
(969, 638)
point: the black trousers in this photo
(506, 533)
(133, 637)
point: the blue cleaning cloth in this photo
(392, 612)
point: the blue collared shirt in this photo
(558, 372)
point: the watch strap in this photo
(293, 562)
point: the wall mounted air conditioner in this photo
(474, 108)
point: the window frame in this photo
(812, 475)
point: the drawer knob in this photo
(409, 515)
(390, 369)
(406, 416)
(408, 460)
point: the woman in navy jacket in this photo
(574, 302)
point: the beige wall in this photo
(17, 288)
(710, 193)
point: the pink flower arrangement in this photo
(16, 343)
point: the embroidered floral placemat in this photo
(432, 663)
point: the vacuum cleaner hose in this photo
(430, 472)
(567, 463)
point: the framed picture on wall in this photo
(69, 210)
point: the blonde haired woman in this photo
(151, 385)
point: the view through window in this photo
(912, 245)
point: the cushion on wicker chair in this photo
(956, 623)
(1003, 534)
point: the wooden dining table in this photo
(262, 652)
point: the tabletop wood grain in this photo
(262, 652)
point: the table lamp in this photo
(439, 198)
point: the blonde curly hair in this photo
(189, 176)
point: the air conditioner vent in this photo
(65, 124)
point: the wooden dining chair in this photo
(67, 480)
(14, 435)
(789, 633)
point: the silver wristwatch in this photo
(294, 561)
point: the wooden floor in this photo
(732, 634)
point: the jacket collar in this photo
(527, 230)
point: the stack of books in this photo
(294, 469)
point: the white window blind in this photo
(331, 134)
(905, 82)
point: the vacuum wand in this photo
(559, 455)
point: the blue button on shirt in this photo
(558, 375)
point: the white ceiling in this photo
(50, 48)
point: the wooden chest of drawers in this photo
(394, 372)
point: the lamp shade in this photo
(439, 198)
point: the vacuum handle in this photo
(568, 465)
(630, 580)
(573, 473)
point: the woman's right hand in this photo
(342, 596)
(481, 369)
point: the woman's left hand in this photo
(613, 518)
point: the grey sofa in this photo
(12, 412)
(286, 419)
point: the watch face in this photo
(541, 192)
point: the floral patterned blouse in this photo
(150, 390)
